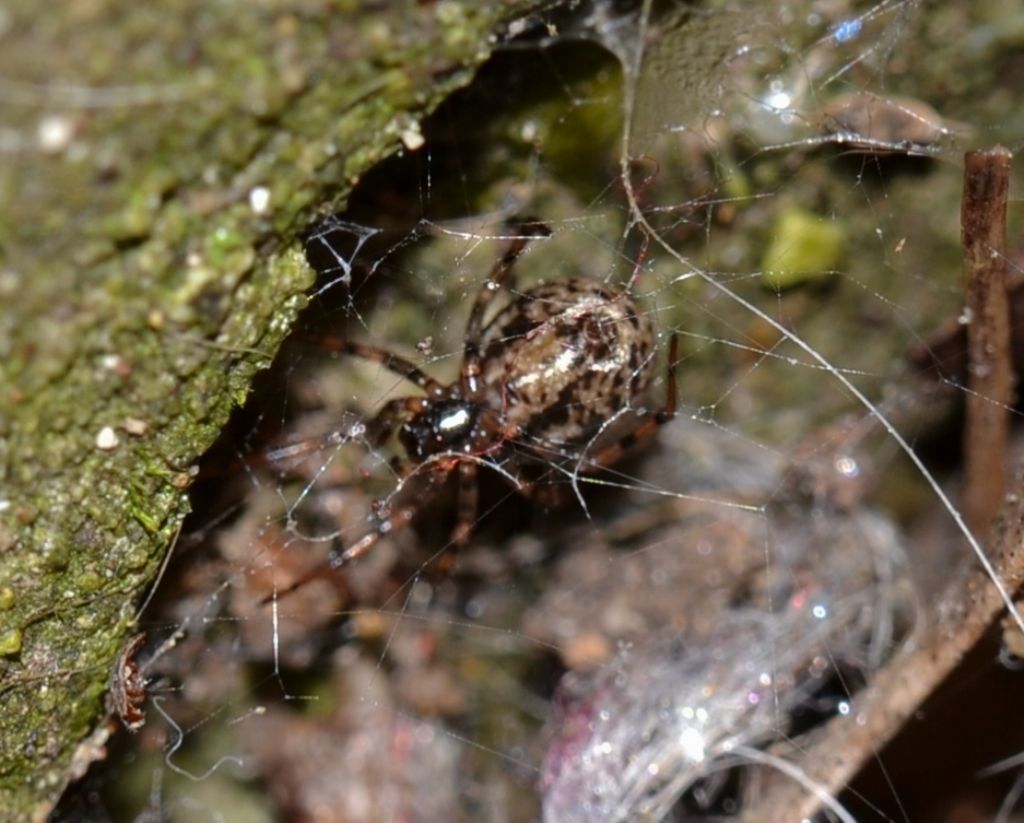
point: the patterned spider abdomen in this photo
(563, 358)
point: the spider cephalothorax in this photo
(539, 382)
(452, 424)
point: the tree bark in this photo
(159, 171)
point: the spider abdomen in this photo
(563, 358)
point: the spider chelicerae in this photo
(539, 382)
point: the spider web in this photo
(778, 187)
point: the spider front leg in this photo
(468, 501)
(386, 526)
(391, 362)
(397, 520)
(403, 515)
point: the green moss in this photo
(90, 582)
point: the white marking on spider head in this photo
(455, 420)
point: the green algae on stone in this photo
(804, 248)
(10, 641)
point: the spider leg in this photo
(392, 362)
(397, 520)
(500, 274)
(640, 260)
(468, 499)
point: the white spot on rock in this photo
(107, 439)
(259, 199)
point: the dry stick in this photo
(990, 369)
(969, 604)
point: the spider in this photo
(538, 381)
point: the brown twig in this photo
(990, 373)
